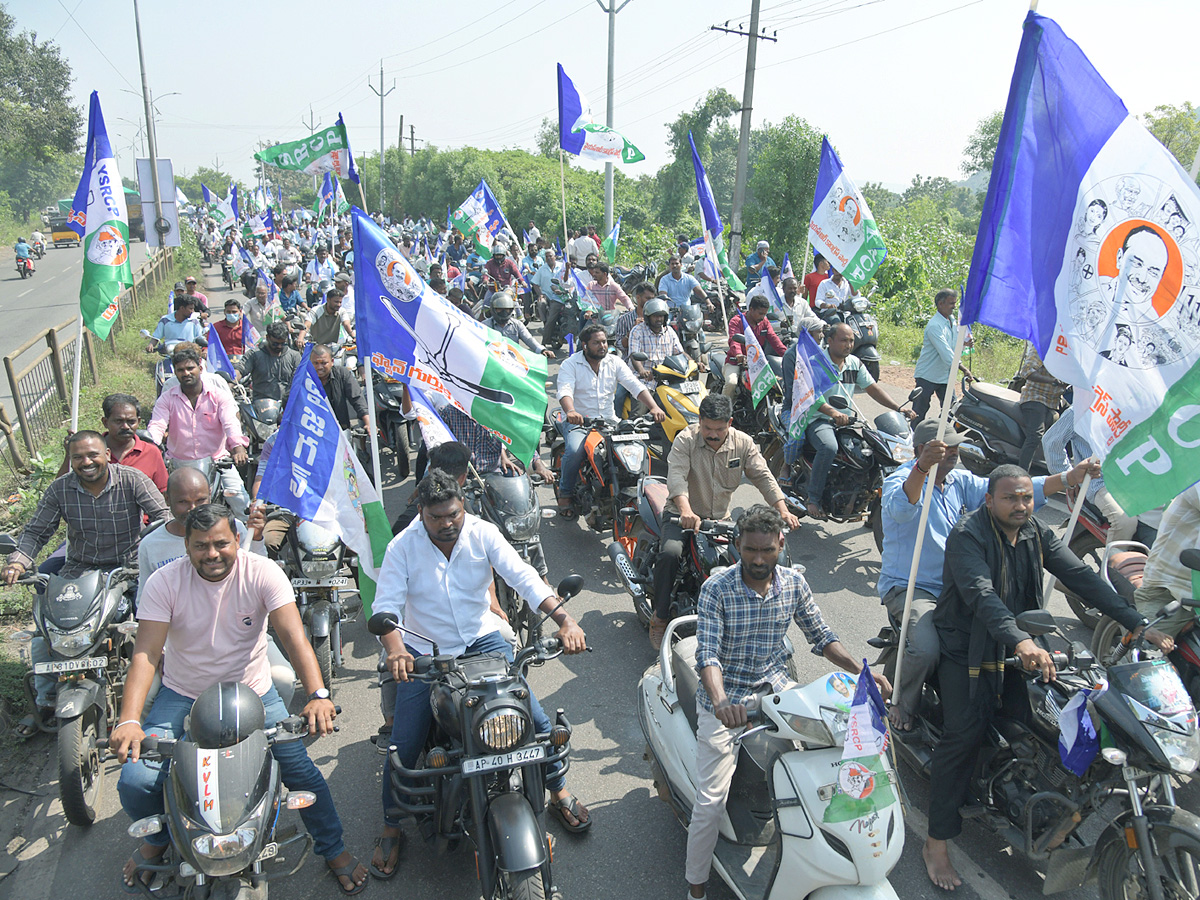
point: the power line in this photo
(71, 16)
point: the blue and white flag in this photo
(208, 197)
(842, 227)
(579, 133)
(480, 219)
(587, 300)
(242, 261)
(708, 204)
(1087, 248)
(762, 377)
(1078, 741)
(524, 237)
(315, 473)
(773, 293)
(218, 359)
(250, 335)
(786, 270)
(433, 429)
(813, 376)
(866, 728)
(327, 193)
(232, 200)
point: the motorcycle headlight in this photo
(502, 729)
(631, 455)
(223, 846)
(1177, 736)
(319, 568)
(524, 527)
(861, 304)
(74, 642)
(688, 416)
(814, 732)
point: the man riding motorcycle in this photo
(503, 307)
(270, 366)
(652, 337)
(705, 466)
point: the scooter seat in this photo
(999, 398)
(655, 491)
(687, 679)
(1125, 571)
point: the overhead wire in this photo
(71, 16)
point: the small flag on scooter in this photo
(1078, 741)
(864, 782)
(762, 379)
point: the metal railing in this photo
(41, 381)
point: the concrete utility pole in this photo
(611, 9)
(312, 129)
(382, 93)
(412, 140)
(161, 225)
(743, 157)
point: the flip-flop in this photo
(570, 804)
(386, 845)
(347, 871)
(26, 728)
(138, 860)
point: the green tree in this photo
(879, 198)
(547, 139)
(1178, 128)
(676, 181)
(214, 179)
(981, 145)
(782, 183)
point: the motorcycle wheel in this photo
(643, 559)
(527, 885)
(1090, 549)
(21, 269)
(400, 447)
(324, 654)
(1119, 867)
(80, 773)
(875, 519)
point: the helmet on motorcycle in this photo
(656, 307)
(503, 305)
(499, 250)
(224, 715)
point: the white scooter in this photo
(800, 822)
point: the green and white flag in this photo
(479, 218)
(762, 379)
(610, 243)
(328, 150)
(99, 217)
(842, 228)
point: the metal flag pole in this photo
(926, 503)
(75, 377)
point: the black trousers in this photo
(1035, 419)
(666, 567)
(965, 724)
(928, 389)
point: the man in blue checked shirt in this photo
(744, 614)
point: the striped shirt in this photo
(609, 295)
(656, 346)
(742, 633)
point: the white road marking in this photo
(50, 278)
(23, 293)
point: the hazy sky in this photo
(898, 85)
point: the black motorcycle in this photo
(688, 322)
(224, 849)
(481, 774)
(561, 314)
(856, 312)
(392, 425)
(1043, 809)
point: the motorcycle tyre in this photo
(24, 274)
(77, 743)
(401, 449)
(324, 653)
(1113, 859)
(526, 885)
(1082, 545)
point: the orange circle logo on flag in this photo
(108, 247)
(854, 211)
(1169, 277)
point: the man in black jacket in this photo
(341, 387)
(993, 572)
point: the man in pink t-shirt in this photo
(210, 611)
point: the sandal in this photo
(570, 804)
(567, 510)
(386, 846)
(347, 871)
(34, 723)
(147, 878)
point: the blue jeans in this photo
(141, 784)
(791, 446)
(414, 716)
(823, 437)
(574, 435)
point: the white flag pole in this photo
(562, 181)
(923, 521)
(75, 377)
(374, 429)
(1076, 508)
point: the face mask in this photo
(232, 318)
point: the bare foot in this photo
(899, 720)
(938, 866)
(149, 853)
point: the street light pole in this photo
(161, 225)
(611, 9)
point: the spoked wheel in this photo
(1119, 867)
(1090, 549)
(527, 885)
(80, 772)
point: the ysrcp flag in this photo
(315, 473)
(842, 227)
(762, 379)
(218, 359)
(328, 150)
(433, 430)
(863, 780)
(580, 135)
(774, 294)
(610, 243)
(814, 375)
(1088, 248)
(410, 332)
(479, 218)
(98, 216)
(1078, 739)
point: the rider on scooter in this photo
(23, 251)
(744, 613)
(705, 466)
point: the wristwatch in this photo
(319, 694)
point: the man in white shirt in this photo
(435, 578)
(321, 268)
(587, 382)
(580, 248)
(832, 291)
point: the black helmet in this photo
(224, 715)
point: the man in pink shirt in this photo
(200, 421)
(213, 606)
(607, 292)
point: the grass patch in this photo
(996, 356)
(12, 228)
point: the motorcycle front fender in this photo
(517, 838)
(75, 699)
(1165, 820)
(320, 618)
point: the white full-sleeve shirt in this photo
(447, 599)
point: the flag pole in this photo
(75, 377)
(362, 196)
(1076, 508)
(374, 429)
(926, 503)
(562, 181)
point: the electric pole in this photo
(312, 129)
(382, 93)
(743, 157)
(161, 225)
(611, 9)
(412, 140)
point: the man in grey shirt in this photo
(270, 366)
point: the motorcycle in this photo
(511, 504)
(615, 458)
(163, 369)
(567, 320)
(481, 774)
(39, 248)
(688, 322)
(260, 418)
(392, 424)
(221, 850)
(753, 420)
(213, 469)
(866, 455)
(87, 627)
(782, 796)
(678, 392)
(318, 565)
(990, 416)
(25, 267)
(856, 312)
(1040, 807)
(227, 270)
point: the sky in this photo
(898, 85)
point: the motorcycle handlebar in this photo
(1059, 659)
(709, 526)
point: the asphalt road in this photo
(635, 848)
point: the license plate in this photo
(690, 387)
(70, 665)
(503, 760)
(334, 581)
(268, 852)
(618, 438)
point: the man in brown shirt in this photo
(705, 466)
